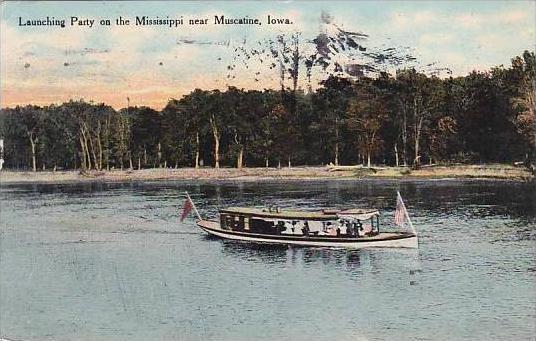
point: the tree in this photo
(419, 101)
(524, 103)
(216, 116)
(330, 103)
(365, 115)
(31, 120)
(17, 150)
(146, 134)
(59, 139)
(120, 138)
(262, 144)
(440, 136)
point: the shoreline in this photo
(458, 172)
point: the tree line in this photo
(408, 118)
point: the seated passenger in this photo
(331, 231)
(288, 228)
(305, 229)
(280, 227)
(349, 230)
(356, 230)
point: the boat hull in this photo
(391, 239)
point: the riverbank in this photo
(496, 171)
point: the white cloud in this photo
(469, 20)
(436, 38)
(481, 20)
(405, 20)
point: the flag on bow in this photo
(186, 209)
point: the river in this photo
(111, 261)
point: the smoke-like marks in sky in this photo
(333, 51)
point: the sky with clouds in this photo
(150, 65)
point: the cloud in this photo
(410, 20)
(436, 38)
(515, 16)
(78, 60)
(469, 20)
(483, 20)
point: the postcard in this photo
(267, 170)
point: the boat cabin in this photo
(352, 223)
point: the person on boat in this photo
(305, 229)
(349, 229)
(358, 228)
(331, 231)
(329, 228)
(281, 227)
(293, 226)
(287, 227)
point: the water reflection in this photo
(352, 262)
(264, 253)
(474, 198)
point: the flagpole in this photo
(193, 205)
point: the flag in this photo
(402, 216)
(400, 211)
(367, 228)
(186, 209)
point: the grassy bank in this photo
(254, 174)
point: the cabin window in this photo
(228, 221)
(262, 226)
(235, 222)
(246, 223)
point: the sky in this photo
(150, 64)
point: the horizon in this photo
(43, 65)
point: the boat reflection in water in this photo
(352, 262)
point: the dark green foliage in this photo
(406, 119)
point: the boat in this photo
(344, 228)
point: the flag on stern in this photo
(400, 212)
(401, 215)
(187, 208)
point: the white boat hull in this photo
(391, 240)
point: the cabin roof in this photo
(284, 214)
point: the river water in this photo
(111, 261)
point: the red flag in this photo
(186, 209)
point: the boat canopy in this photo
(324, 215)
(357, 214)
(279, 214)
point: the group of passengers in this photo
(344, 228)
